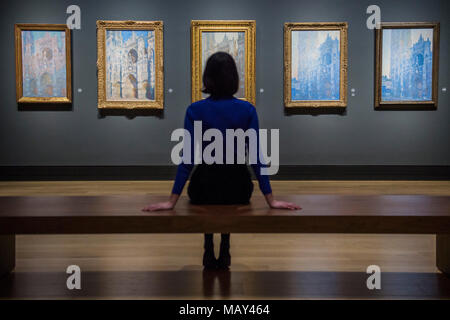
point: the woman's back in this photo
(222, 114)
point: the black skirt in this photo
(220, 184)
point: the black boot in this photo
(209, 260)
(224, 260)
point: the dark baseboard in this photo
(61, 173)
(363, 172)
(286, 172)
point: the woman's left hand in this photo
(165, 205)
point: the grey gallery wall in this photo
(81, 135)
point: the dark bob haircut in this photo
(220, 78)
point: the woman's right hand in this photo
(166, 205)
(276, 204)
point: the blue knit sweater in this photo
(221, 114)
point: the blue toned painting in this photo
(44, 63)
(130, 65)
(315, 65)
(407, 64)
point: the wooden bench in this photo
(388, 214)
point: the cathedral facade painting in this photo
(130, 64)
(407, 65)
(315, 64)
(43, 63)
(230, 42)
(234, 37)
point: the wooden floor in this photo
(286, 266)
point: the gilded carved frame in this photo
(157, 26)
(18, 28)
(247, 26)
(315, 26)
(379, 104)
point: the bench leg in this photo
(443, 253)
(7, 254)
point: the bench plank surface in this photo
(320, 214)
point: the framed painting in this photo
(236, 37)
(406, 66)
(130, 64)
(43, 63)
(315, 64)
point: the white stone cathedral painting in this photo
(130, 65)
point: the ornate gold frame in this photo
(102, 26)
(247, 26)
(379, 104)
(18, 28)
(293, 26)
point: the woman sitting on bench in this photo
(220, 183)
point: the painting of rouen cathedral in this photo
(315, 69)
(407, 64)
(44, 63)
(130, 65)
(232, 43)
